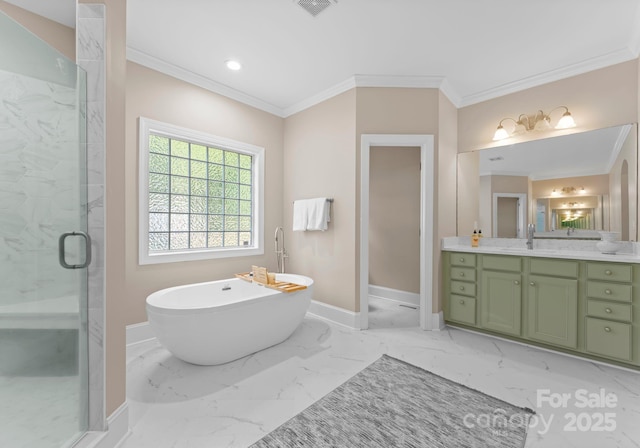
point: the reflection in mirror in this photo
(61, 11)
(572, 186)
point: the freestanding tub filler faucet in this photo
(281, 253)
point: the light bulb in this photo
(500, 134)
(566, 121)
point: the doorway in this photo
(428, 319)
(509, 215)
(394, 237)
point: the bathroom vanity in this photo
(578, 302)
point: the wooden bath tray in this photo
(278, 286)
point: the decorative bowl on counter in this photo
(610, 243)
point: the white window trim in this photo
(147, 126)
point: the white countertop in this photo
(577, 250)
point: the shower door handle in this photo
(87, 248)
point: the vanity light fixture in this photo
(538, 122)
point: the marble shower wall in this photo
(90, 55)
(39, 200)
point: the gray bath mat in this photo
(395, 404)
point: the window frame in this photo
(148, 126)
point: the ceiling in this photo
(472, 50)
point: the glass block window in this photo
(200, 195)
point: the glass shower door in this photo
(44, 248)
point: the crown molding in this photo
(318, 98)
(617, 146)
(161, 66)
(615, 57)
(420, 82)
(435, 82)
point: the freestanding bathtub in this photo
(217, 322)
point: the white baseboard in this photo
(117, 431)
(437, 321)
(410, 298)
(137, 333)
(334, 314)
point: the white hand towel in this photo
(318, 215)
(300, 212)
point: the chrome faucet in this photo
(570, 230)
(281, 253)
(531, 228)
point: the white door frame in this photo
(428, 320)
(522, 217)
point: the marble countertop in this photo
(577, 250)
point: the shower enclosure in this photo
(44, 247)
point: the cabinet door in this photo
(501, 302)
(553, 310)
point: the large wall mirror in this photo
(571, 186)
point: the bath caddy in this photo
(278, 285)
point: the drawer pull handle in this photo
(461, 260)
(607, 310)
(607, 272)
(532, 283)
(462, 288)
(607, 291)
(607, 329)
(462, 302)
(516, 282)
(462, 274)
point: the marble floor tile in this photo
(178, 405)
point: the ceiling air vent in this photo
(314, 7)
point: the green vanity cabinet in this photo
(501, 301)
(461, 288)
(552, 314)
(587, 308)
(609, 320)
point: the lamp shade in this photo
(566, 121)
(500, 134)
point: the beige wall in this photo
(59, 36)
(597, 99)
(320, 161)
(160, 97)
(594, 185)
(415, 111)
(471, 188)
(445, 201)
(394, 218)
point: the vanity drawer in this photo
(462, 309)
(608, 310)
(609, 291)
(614, 272)
(462, 259)
(467, 274)
(464, 288)
(607, 338)
(557, 268)
(502, 263)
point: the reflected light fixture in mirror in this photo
(538, 122)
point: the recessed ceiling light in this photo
(233, 65)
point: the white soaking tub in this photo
(217, 322)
